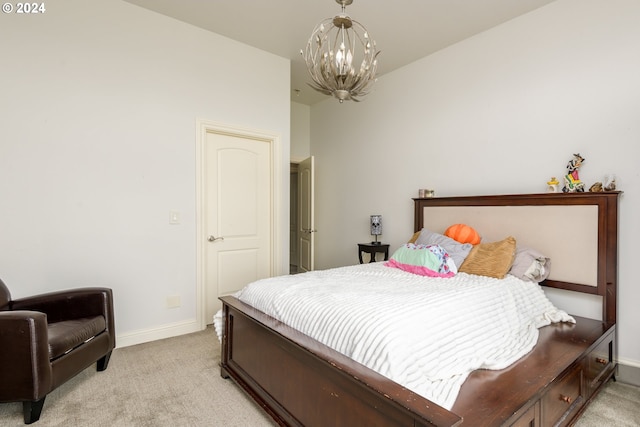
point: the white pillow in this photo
(530, 265)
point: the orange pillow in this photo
(463, 233)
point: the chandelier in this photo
(341, 57)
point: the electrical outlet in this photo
(173, 301)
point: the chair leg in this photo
(32, 410)
(103, 362)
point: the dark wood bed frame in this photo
(301, 382)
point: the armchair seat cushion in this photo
(66, 335)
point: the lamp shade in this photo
(376, 225)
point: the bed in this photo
(299, 381)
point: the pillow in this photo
(463, 233)
(490, 259)
(414, 237)
(530, 265)
(456, 250)
(423, 260)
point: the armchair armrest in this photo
(24, 355)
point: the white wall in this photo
(97, 144)
(499, 113)
(300, 138)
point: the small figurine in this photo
(572, 183)
(552, 185)
(609, 182)
(596, 188)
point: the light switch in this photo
(174, 217)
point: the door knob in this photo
(213, 239)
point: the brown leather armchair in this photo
(47, 339)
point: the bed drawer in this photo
(599, 363)
(531, 418)
(563, 399)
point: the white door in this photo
(238, 235)
(307, 226)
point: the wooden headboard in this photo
(578, 231)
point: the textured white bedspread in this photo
(424, 333)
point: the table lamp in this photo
(376, 227)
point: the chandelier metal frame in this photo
(336, 46)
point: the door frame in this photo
(203, 127)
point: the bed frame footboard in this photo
(300, 382)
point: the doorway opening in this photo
(302, 223)
(294, 211)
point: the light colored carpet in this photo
(176, 382)
(617, 405)
(172, 382)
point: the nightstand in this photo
(373, 249)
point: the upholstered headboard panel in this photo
(565, 234)
(577, 231)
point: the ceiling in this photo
(404, 30)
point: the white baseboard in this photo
(628, 371)
(629, 375)
(629, 362)
(166, 331)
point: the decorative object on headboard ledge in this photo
(376, 227)
(596, 187)
(609, 184)
(552, 185)
(425, 193)
(572, 183)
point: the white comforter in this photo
(426, 334)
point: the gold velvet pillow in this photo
(414, 237)
(490, 259)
